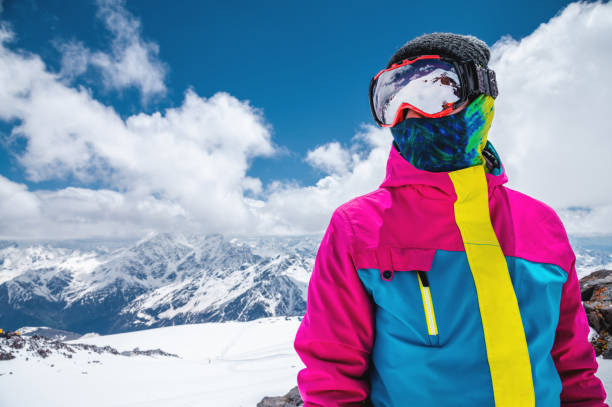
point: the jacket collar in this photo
(400, 172)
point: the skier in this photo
(443, 287)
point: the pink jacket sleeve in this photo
(572, 353)
(335, 337)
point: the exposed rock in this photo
(51, 333)
(596, 292)
(151, 352)
(291, 399)
(6, 356)
(12, 346)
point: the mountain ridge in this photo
(163, 279)
(167, 279)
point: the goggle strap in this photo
(491, 158)
(485, 81)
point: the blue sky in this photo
(307, 65)
(294, 109)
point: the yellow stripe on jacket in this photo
(501, 319)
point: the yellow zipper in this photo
(430, 316)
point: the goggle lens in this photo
(429, 85)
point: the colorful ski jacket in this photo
(445, 289)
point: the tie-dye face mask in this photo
(447, 143)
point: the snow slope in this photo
(604, 372)
(222, 364)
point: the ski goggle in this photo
(430, 85)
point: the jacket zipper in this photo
(432, 328)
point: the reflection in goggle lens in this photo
(429, 85)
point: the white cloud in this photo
(75, 59)
(295, 209)
(83, 213)
(131, 61)
(181, 168)
(551, 129)
(331, 158)
(185, 168)
(16, 203)
(592, 220)
(552, 121)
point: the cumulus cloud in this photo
(75, 59)
(83, 213)
(16, 204)
(130, 62)
(355, 171)
(552, 120)
(331, 158)
(551, 125)
(185, 168)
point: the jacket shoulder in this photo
(535, 209)
(538, 223)
(360, 204)
(364, 214)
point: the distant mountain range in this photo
(162, 280)
(168, 279)
(592, 253)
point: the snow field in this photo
(231, 364)
(222, 364)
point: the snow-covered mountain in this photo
(164, 279)
(167, 279)
(592, 253)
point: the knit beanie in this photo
(462, 47)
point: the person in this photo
(444, 287)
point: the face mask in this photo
(447, 143)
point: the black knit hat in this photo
(463, 47)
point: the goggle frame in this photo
(474, 80)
